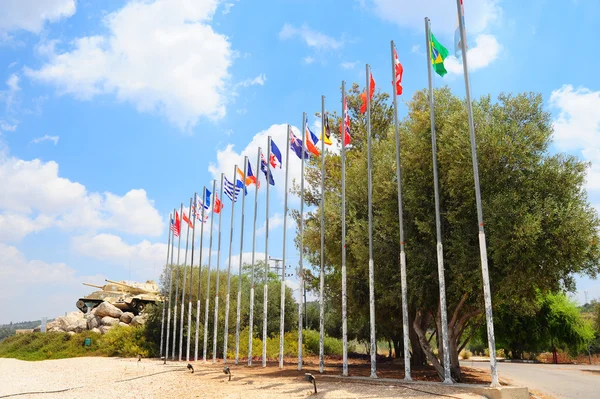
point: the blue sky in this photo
(114, 112)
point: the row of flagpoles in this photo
(305, 148)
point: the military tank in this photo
(132, 297)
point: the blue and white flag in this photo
(232, 191)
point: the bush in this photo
(466, 354)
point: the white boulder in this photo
(107, 309)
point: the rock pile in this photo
(100, 320)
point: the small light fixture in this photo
(190, 367)
(311, 378)
(227, 371)
(140, 357)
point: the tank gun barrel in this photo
(130, 287)
(93, 285)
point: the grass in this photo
(119, 341)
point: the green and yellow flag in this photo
(438, 55)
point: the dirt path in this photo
(128, 378)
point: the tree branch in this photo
(457, 310)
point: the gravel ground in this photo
(96, 377)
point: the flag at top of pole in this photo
(438, 55)
(296, 145)
(311, 141)
(363, 96)
(263, 167)
(176, 225)
(326, 134)
(398, 70)
(276, 160)
(250, 178)
(345, 124)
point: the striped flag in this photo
(176, 225)
(232, 190)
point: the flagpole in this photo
(207, 302)
(407, 374)
(226, 329)
(216, 323)
(438, 227)
(189, 326)
(170, 290)
(371, 266)
(322, 269)
(301, 274)
(285, 210)
(344, 298)
(250, 329)
(266, 286)
(489, 317)
(166, 300)
(198, 310)
(184, 279)
(177, 283)
(239, 293)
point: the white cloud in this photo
(259, 80)
(35, 191)
(40, 288)
(31, 15)
(308, 60)
(275, 222)
(15, 226)
(311, 37)
(142, 257)
(416, 49)
(479, 14)
(227, 8)
(481, 55)
(246, 259)
(7, 127)
(46, 138)
(348, 64)
(186, 57)
(9, 96)
(577, 126)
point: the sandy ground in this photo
(95, 377)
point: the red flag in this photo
(218, 204)
(363, 96)
(176, 225)
(345, 124)
(188, 221)
(398, 70)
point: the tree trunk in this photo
(417, 357)
(425, 345)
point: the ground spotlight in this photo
(227, 371)
(311, 378)
(190, 367)
(139, 358)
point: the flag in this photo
(232, 190)
(263, 167)
(326, 134)
(345, 124)
(275, 156)
(438, 55)
(296, 146)
(363, 96)
(250, 176)
(311, 141)
(176, 225)
(197, 209)
(398, 70)
(218, 204)
(457, 43)
(240, 181)
(188, 221)
(249, 180)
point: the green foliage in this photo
(554, 322)
(6, 330)
(119, 341)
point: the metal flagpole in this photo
(177, 283)
(250, 329)
(266, 286)
(184, 279)
(226, 329)
(239, 293)
(170, 293)
(407, 376)
(189, 326)
(371, 266)
(438, 227)
(199, 273)
(301, 274)
(166, 301)
(216, 324)
(285, 209)
(322, 270)
(482, 243)
(344, 298)
(207, 302)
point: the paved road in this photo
(563, 381)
